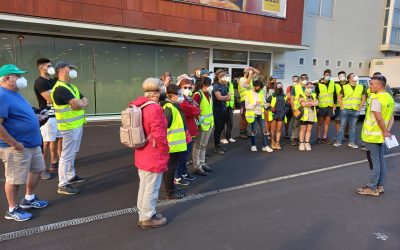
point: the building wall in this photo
(353, 34)
(170, 16)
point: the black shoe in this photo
(68, 189)
(77, 179)
(189, 177)
(176, 196)
(206, 168)
(223, 148)
(219, 151)
(200, 172)
(294, 142)
(326, 141)
(181, 181)
(319, 140)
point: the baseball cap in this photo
(63, 64)
(204, 71)
(9, 69)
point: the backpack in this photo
(131, 131)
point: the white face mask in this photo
(51, 71)
(73, 74)
(342, 78)
(21, 83)
(355, 78)
(210, 88)
(187, 92)
(304, 82)
(327, 78)
(180, 99)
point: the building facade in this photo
(116, 44)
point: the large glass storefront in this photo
(110, 74)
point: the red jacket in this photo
(153, 157)
(191, 112)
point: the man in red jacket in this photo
(151, 160)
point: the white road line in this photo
(163, 203)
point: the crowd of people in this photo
(179, 118)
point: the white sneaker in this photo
(308, 147)
(232, 140)
(224, 141)
(353, 145)
(267, 149)
(253, 149)
(302, 146)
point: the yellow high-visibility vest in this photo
(352, 98)
(298, 89)
(273, 103)
(325, 97)
(231, 102)
(306, 110)
(250, 114)
(206, 113)
(243, 91)
(176, 135)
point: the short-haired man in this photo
(325, 90)
(338, 88)
(69, 106)
(50, 134)
(377, 125)
(20, 143)
(296, 91)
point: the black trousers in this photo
(169, 175)
(219, 121)
(229, 123)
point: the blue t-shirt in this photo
(19, 119)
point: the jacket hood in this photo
(140, 101)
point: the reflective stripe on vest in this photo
(67, 118)
(176, 135)
(271, 114)
(206, 112)
(250, 113)
(306, 110)
(231, 102)
(352, 98)
(325, 97)
(243, 91)
(371, 132)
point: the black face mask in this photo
(257, 90)
(279, 90)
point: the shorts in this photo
(50, 131)
(19, 164)
(337, 114)
(306, 122)
(242, 109)
(323, 112)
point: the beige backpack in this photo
(131, 131)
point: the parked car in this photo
(396, 97)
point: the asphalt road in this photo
(241, 205)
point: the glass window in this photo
(388, 3)
(29, 49)
(386, 17)
(394, 36)
(397, 4)
(198, 58)
(7, 49)
(384, 35)
(113, 87)
(339, 64)
(80, 53)
(349, 64)
(142, 66)
(301, 61)
(172, 59)
(360, 65)
(314, 61)
(230, 56)
(396, 18)
(327, 8)
(313, 7)
(260, 56)
(327, 63)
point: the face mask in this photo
(210, 88)
(309, 91)
(187, 92)
(73, 74)
(226, 79)
(21, 83)
(342, 78)
(355, 78)
(180, 99)
(51, 71)
(327, 78)
(304, 82)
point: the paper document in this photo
(391, 142)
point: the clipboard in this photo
(391, 142)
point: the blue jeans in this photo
(260, 121)
(182, 168)
(351, 116)
(376, 158)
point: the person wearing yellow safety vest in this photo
(325, 90)
(268, 90)
(338, 87)
(351, 99)
(230, 105)
(295, 93)
(377, 125)
(177, 138)
(255, 104)
(278, 108)
(205, 123)
(289, 115)
(245, 85)
(69, 107)
(307, 100)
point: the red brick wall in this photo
(169, 16)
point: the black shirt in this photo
(62, 95)
(217, 104)
(42, 85)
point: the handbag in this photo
(298, 113)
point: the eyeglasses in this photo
(184, 87)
